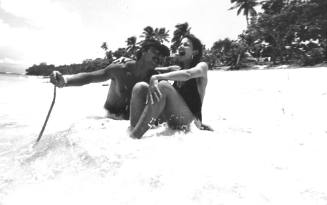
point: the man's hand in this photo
(154, 93)
(57, 79)
(121, 60)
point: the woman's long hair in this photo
(197, 45)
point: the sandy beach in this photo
(268, 146)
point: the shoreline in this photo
(270, 67)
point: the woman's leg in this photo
(138, 99)
(171, 106)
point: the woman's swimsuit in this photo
(189, 91)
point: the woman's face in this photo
(185, 50)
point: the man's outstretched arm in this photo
(84, 78)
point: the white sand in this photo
(269, 147)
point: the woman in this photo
(178, 104)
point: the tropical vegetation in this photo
(278, 32)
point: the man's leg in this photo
(171, 106)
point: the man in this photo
(123, 77)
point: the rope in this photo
(48, 115)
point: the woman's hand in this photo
(57, 79)
(154, 93)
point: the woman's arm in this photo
(200, 70)
(167, 69)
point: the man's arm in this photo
(85, 78)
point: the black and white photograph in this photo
(195, 102)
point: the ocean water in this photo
(268, 146)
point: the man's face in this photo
(152, 56)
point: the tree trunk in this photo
(238, 59)
(273, 57)
(247, 20)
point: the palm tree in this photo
(120, 52)
(108, 53)
(158, 34)
(161, 35)
(221, 47)
(247, 6)
(148, 33)
(131, 46)
(109, 56)
(181, 30)
(104, 46)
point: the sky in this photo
(70, 31)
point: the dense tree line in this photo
(285, 31)
(86, 66)
(89, 65)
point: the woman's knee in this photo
(139, 88)
(165, 86)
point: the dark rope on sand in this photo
(47, 118)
